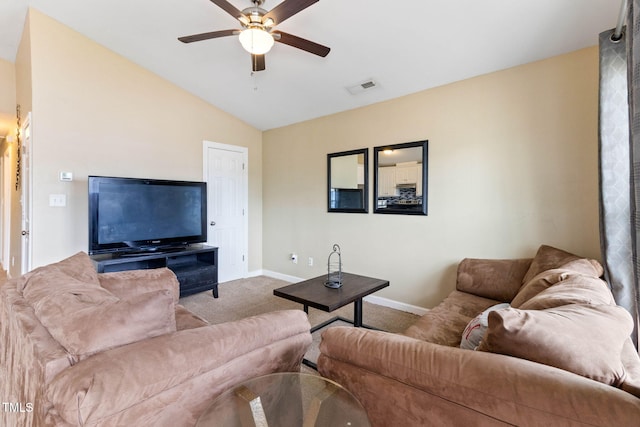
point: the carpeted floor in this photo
(247, 297)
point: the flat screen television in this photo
(135, 215)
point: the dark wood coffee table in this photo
(313, 293)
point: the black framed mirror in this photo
(348, 181)
(400, 178)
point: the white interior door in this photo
(25, 198)
(225, 169)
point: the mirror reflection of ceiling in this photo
(411, 154)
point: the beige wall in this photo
(7, 97)
(512, 162)
(96, 113)
(512, 165)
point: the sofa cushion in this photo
(86, 318)
(574, 289)
(113, 325)
(631, 363)
(539, 283)
(78, 266)
(584, 339)
(186, 319)
(548, 257)
(444, 323)
(474, 332)
(117, 380)
(126, 284)
(548, 278)
(496, 279)
(95, 328)
(52, 290)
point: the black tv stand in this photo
(150, 250)
(195, 266)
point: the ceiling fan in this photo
(258, 34)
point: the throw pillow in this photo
(586, 340)
(54, 290)
(538, 284)
(473, 333)
(127, 284)
(94, 329)
(574, 289)
(86, 318)
(548, 278)
(78, 266)
(549, 257)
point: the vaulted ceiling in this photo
(402, 46)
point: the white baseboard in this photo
(255, 273)
(397, 305)
(373, 299)
(275, 275)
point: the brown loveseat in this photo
(116, 349)
(560, 355)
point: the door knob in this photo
(212, 223)
(24, 232)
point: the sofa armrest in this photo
(111, 382)
(498, 279)
(434, 384)
(127, 284)
(30, 358)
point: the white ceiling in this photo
(404, 46)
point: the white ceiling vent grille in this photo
(366, 85)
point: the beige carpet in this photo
(247, 297)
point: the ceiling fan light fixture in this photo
(256, 41)
(269, 23)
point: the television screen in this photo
(131, 214)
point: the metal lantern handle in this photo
(334, 269)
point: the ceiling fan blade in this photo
(287, 9)
(229, 8)
(300, 43)
(207, 36)
(257, 62)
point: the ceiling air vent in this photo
(361, 87)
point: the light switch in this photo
(57, 200)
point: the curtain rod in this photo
(617, 34)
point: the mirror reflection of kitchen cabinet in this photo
(400, 178)
(348, 181)
(407, 173)
(387, 181)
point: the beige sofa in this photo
(116, 349)
(559, 355)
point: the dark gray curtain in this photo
(619, 154)
(633, 67)
(618, 196)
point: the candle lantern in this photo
(334, 269)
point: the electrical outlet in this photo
(310, 261)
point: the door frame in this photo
(5, 166)
(244, 239)
(26, 197)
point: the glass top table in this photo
(288, 399)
